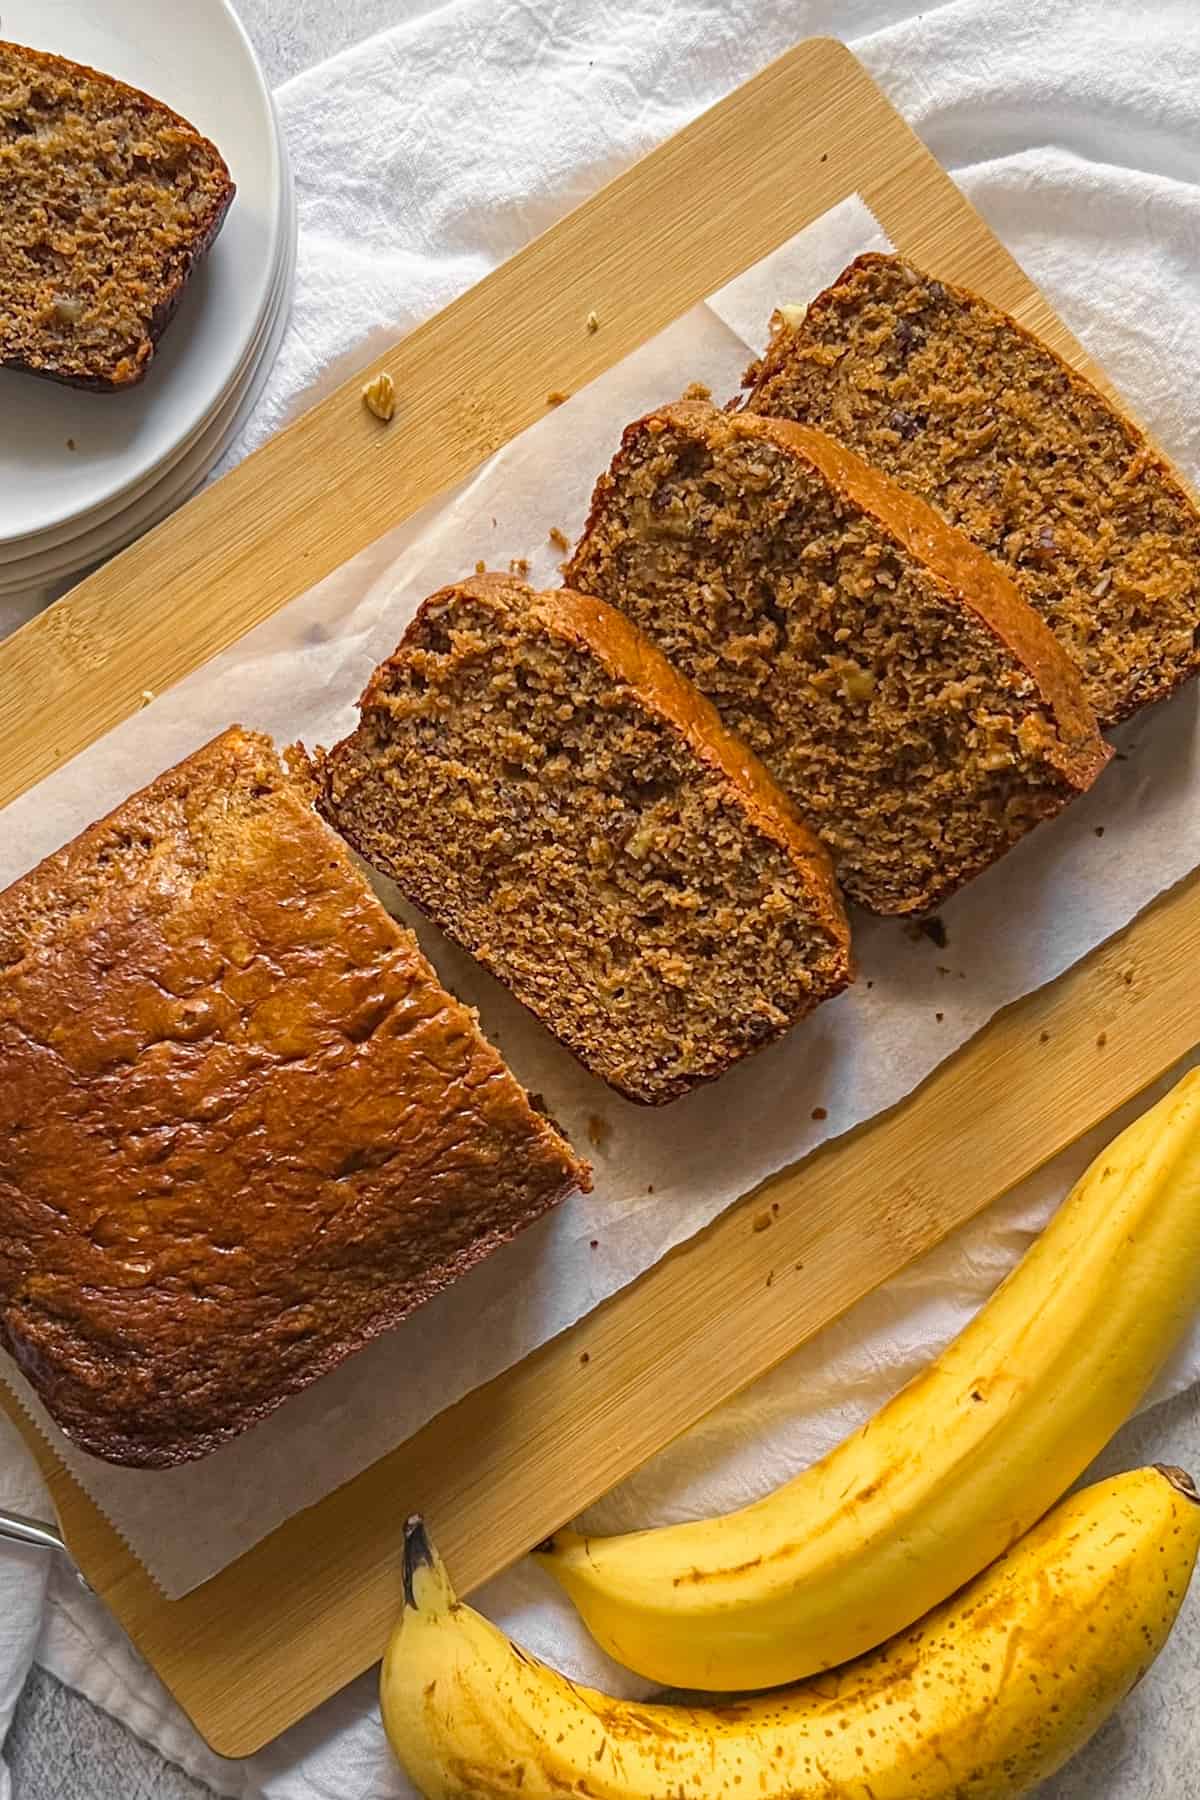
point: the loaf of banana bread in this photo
(918, 711)
(243, 1128)
(108, 200)
(963, 405)
(533, 775)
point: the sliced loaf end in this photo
(959, 402)
(109, 200)
(897, 686)
(536, 778)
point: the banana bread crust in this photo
(959, 402)
(94, 260)
(638, 700)
(243, 1128)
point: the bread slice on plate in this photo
(538, 780)
(963, 405)
(243, 1127)
(918, 711)
(108, 200)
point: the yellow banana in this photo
(987, 1696)
(950, 1472)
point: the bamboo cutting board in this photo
(272, 1636)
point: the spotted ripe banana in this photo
(987, 1696)
(950, 1472)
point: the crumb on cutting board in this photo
(593, 321)
(556, 397)
(559, 539)
(379, 396)
(519, 565)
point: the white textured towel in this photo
(423, 158)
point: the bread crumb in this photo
(761, 1221)
(379, 396)
(598, 1129)
(1099, 831)
(519, 565)
(147, 696)
(1102, 1040)
(939, 1017)
(649, 1187)
(934, 929)
(70, 443)
(584, 1358)
(481, 567)
(556, 397)
(819, 1112)
(1045, 1038)
(770, 1276)
(559, 539)
(696, 390)
(595, 1244)
(593, 322)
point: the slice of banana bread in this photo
(108, 200)
(963, 405)
(537, 779)
(243, 1127)
(919, 713)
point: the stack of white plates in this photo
(83, 474)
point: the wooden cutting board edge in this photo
(293, 1619)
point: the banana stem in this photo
(418, 1554)
(1180, 1480)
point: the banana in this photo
(987, 1696)
(950, 1472)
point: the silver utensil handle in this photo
(20, 1530)
(30, 1531)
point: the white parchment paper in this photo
(660, 1176)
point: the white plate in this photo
(44, 571)
(195, 57)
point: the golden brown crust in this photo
(243, 1129)
(1013, 446)
(77, 237)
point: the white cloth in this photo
(423, 158)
